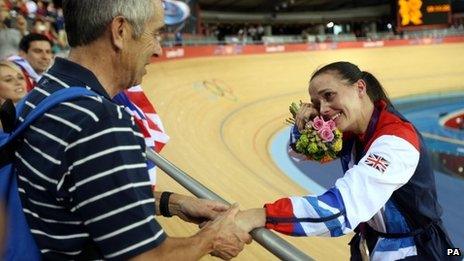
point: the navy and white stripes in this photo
(83, 174)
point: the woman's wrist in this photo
(251, 218)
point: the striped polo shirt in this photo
(82, 174)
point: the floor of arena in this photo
(221, 113)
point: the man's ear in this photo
(361, 87)
(119, 31)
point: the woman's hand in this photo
(251, 218)
(305, 114)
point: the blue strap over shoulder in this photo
(48, 103)
(19, 243)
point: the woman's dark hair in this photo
(351, 73)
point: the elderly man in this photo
(82, 166)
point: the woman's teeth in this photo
(336, 116)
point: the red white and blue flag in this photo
(32, 78)
(148, 121)
(377, 162)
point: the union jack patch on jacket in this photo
(377, 162)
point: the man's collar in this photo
(74, 74)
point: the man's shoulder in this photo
(84, 111)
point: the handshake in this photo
(224, 229)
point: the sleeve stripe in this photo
(124, 229)
(98, 134)
(146, 241)
(103, 153)
(108, 172)
(74, 253)
(119, 210)
(65, 122)
(38, 232)
(45, 204)
(31, 184)
(111, 192)
(27, 211)
(48, 135)
(84, 110)
(38, 173)
(43, 154)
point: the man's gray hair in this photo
(87, 20)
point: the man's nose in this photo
(158, 50)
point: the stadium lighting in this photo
(330, 24)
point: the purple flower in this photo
(318, 123)
(326, 134)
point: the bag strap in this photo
(45, 105)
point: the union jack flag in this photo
(148, 121)
(377, 162)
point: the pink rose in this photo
(326, 134)
(330, 124)
(318, 123)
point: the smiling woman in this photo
(387, 195)
(12, 82)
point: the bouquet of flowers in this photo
(320, 140)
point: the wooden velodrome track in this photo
(220, 133)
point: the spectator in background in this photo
(38, 26)
(12, 82)
(178, 40)
(41, 9)
(253, 33)
(21, 24)
(9, 37)
(260, 31)
(35, 57)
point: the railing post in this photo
(269, 240)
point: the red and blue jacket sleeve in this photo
(322, 215)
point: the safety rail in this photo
(269, 240)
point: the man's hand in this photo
(195, 210)
(229, 239)
(305, 114)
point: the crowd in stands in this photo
(31, 32)
(19, 18)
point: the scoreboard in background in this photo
(422, 14)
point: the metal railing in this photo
(269, 240)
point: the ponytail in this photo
(374, 89)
